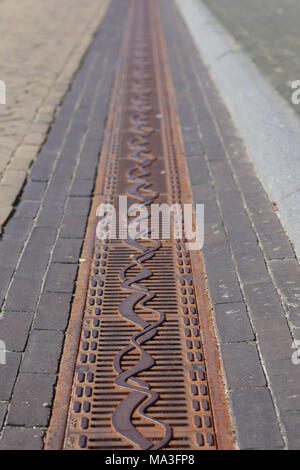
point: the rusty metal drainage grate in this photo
(140, 380)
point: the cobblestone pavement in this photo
(267, 30)
(253, 276)
(42, 44)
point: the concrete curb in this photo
(270, 129)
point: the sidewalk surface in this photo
(42, 44)
(268, 31)
(252, 272)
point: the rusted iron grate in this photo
(140, 379)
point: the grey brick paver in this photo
(23, 294)
(50, 217)
(224, 286)
(73, 226)
(233, 322)
(28, 209)
(17, 438)
(9, 253)
(9, 372)
(67, 250)
(218, 257)
(53, 311)
(242, 366)
(257, 426)
(291, 421)
(19, 324)
(60, 278)
(285, 380)
(17, 229)
(43, 352)
(78, 206)
(31, 401)
(34, 191)
(82, 187)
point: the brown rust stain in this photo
(140, 367)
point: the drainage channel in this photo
(140, 368)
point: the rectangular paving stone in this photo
(41, 240)
(243, 247)
(217, 256)
(286, 273)
(14, 330)
(78, 206)
(17, 438)
(212, 213)
(17, 229)
(284, 378)
(9, 372)
(239, 228)
(41, 171)
(23, 294)
(56, 195)
(43, 352)
(252, 268)
(198, 170)
(27, 209)
(34, 263)
(263, 301)
(192, 135)
(60, 278)
(53, 311)
(192, 149)
(87, 168)
(31, 401)
(214, 151)
(82, 187)
(67, 250)
(232, 206)
(50, 217)
(214, 233)
(9, 253)
(73, 226)
(291, 423)
(203, 193)
(274, 338)
(222, 175)
(224, 287)
(233, 322)
(242, 366)
(276, 245)
(34, 190)
(253, 409)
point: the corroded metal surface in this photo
(140, 380)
